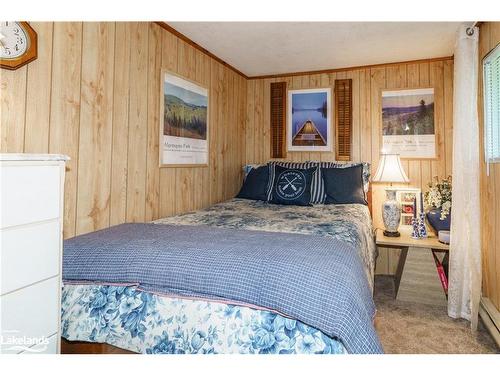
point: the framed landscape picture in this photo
(183, 122)
(309, 120)
(408, 123)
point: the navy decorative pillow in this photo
(292, 186)
(256, 184)
(344, 185)
(318, 195)
(317, 182)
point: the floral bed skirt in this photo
(143, 322)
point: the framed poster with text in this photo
(183, 122)
(408, 123)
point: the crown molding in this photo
(311, 72)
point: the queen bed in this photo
(242, 276)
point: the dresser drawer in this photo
(29, 253)
(31, 312)
(29, 193)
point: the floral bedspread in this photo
(148, 323)
(347, 222)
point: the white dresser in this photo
(31, 222)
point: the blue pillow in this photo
(344, 185)
(256, 184)
(292, 186)
(318, 195)
(316, 184)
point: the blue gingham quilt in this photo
(350, 223)
(317, 280)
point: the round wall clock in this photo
(18, 44)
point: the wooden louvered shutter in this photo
(343, 118)
(278, 119)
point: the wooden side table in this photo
(404, 242)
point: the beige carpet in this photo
(408, 327)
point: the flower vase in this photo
(414, 225)
(422, 231)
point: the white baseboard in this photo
(491, 318)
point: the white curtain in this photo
(465, 248)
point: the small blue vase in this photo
(434, 219)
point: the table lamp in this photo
(391, 171)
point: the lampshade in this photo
(390, 169)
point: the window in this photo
(491, 82)
(343, 118)
(278, 119)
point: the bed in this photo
(110, 306)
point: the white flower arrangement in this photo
(439, 196)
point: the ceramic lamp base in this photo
(391, 214)
(391, 234)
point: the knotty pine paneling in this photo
(38, 93)
(167, 175)
(93, 94)
(65, 104)
(152, 208)
(120, 132)
(367, 86)
(137, 122)
(95, 140)
(489, 37)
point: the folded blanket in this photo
(317, 280)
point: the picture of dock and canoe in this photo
(309, 121)
(308, 135)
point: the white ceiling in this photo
(261, 48)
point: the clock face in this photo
(14, 40)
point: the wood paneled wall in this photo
(93, 94)
(367, 85)
(489, 37)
